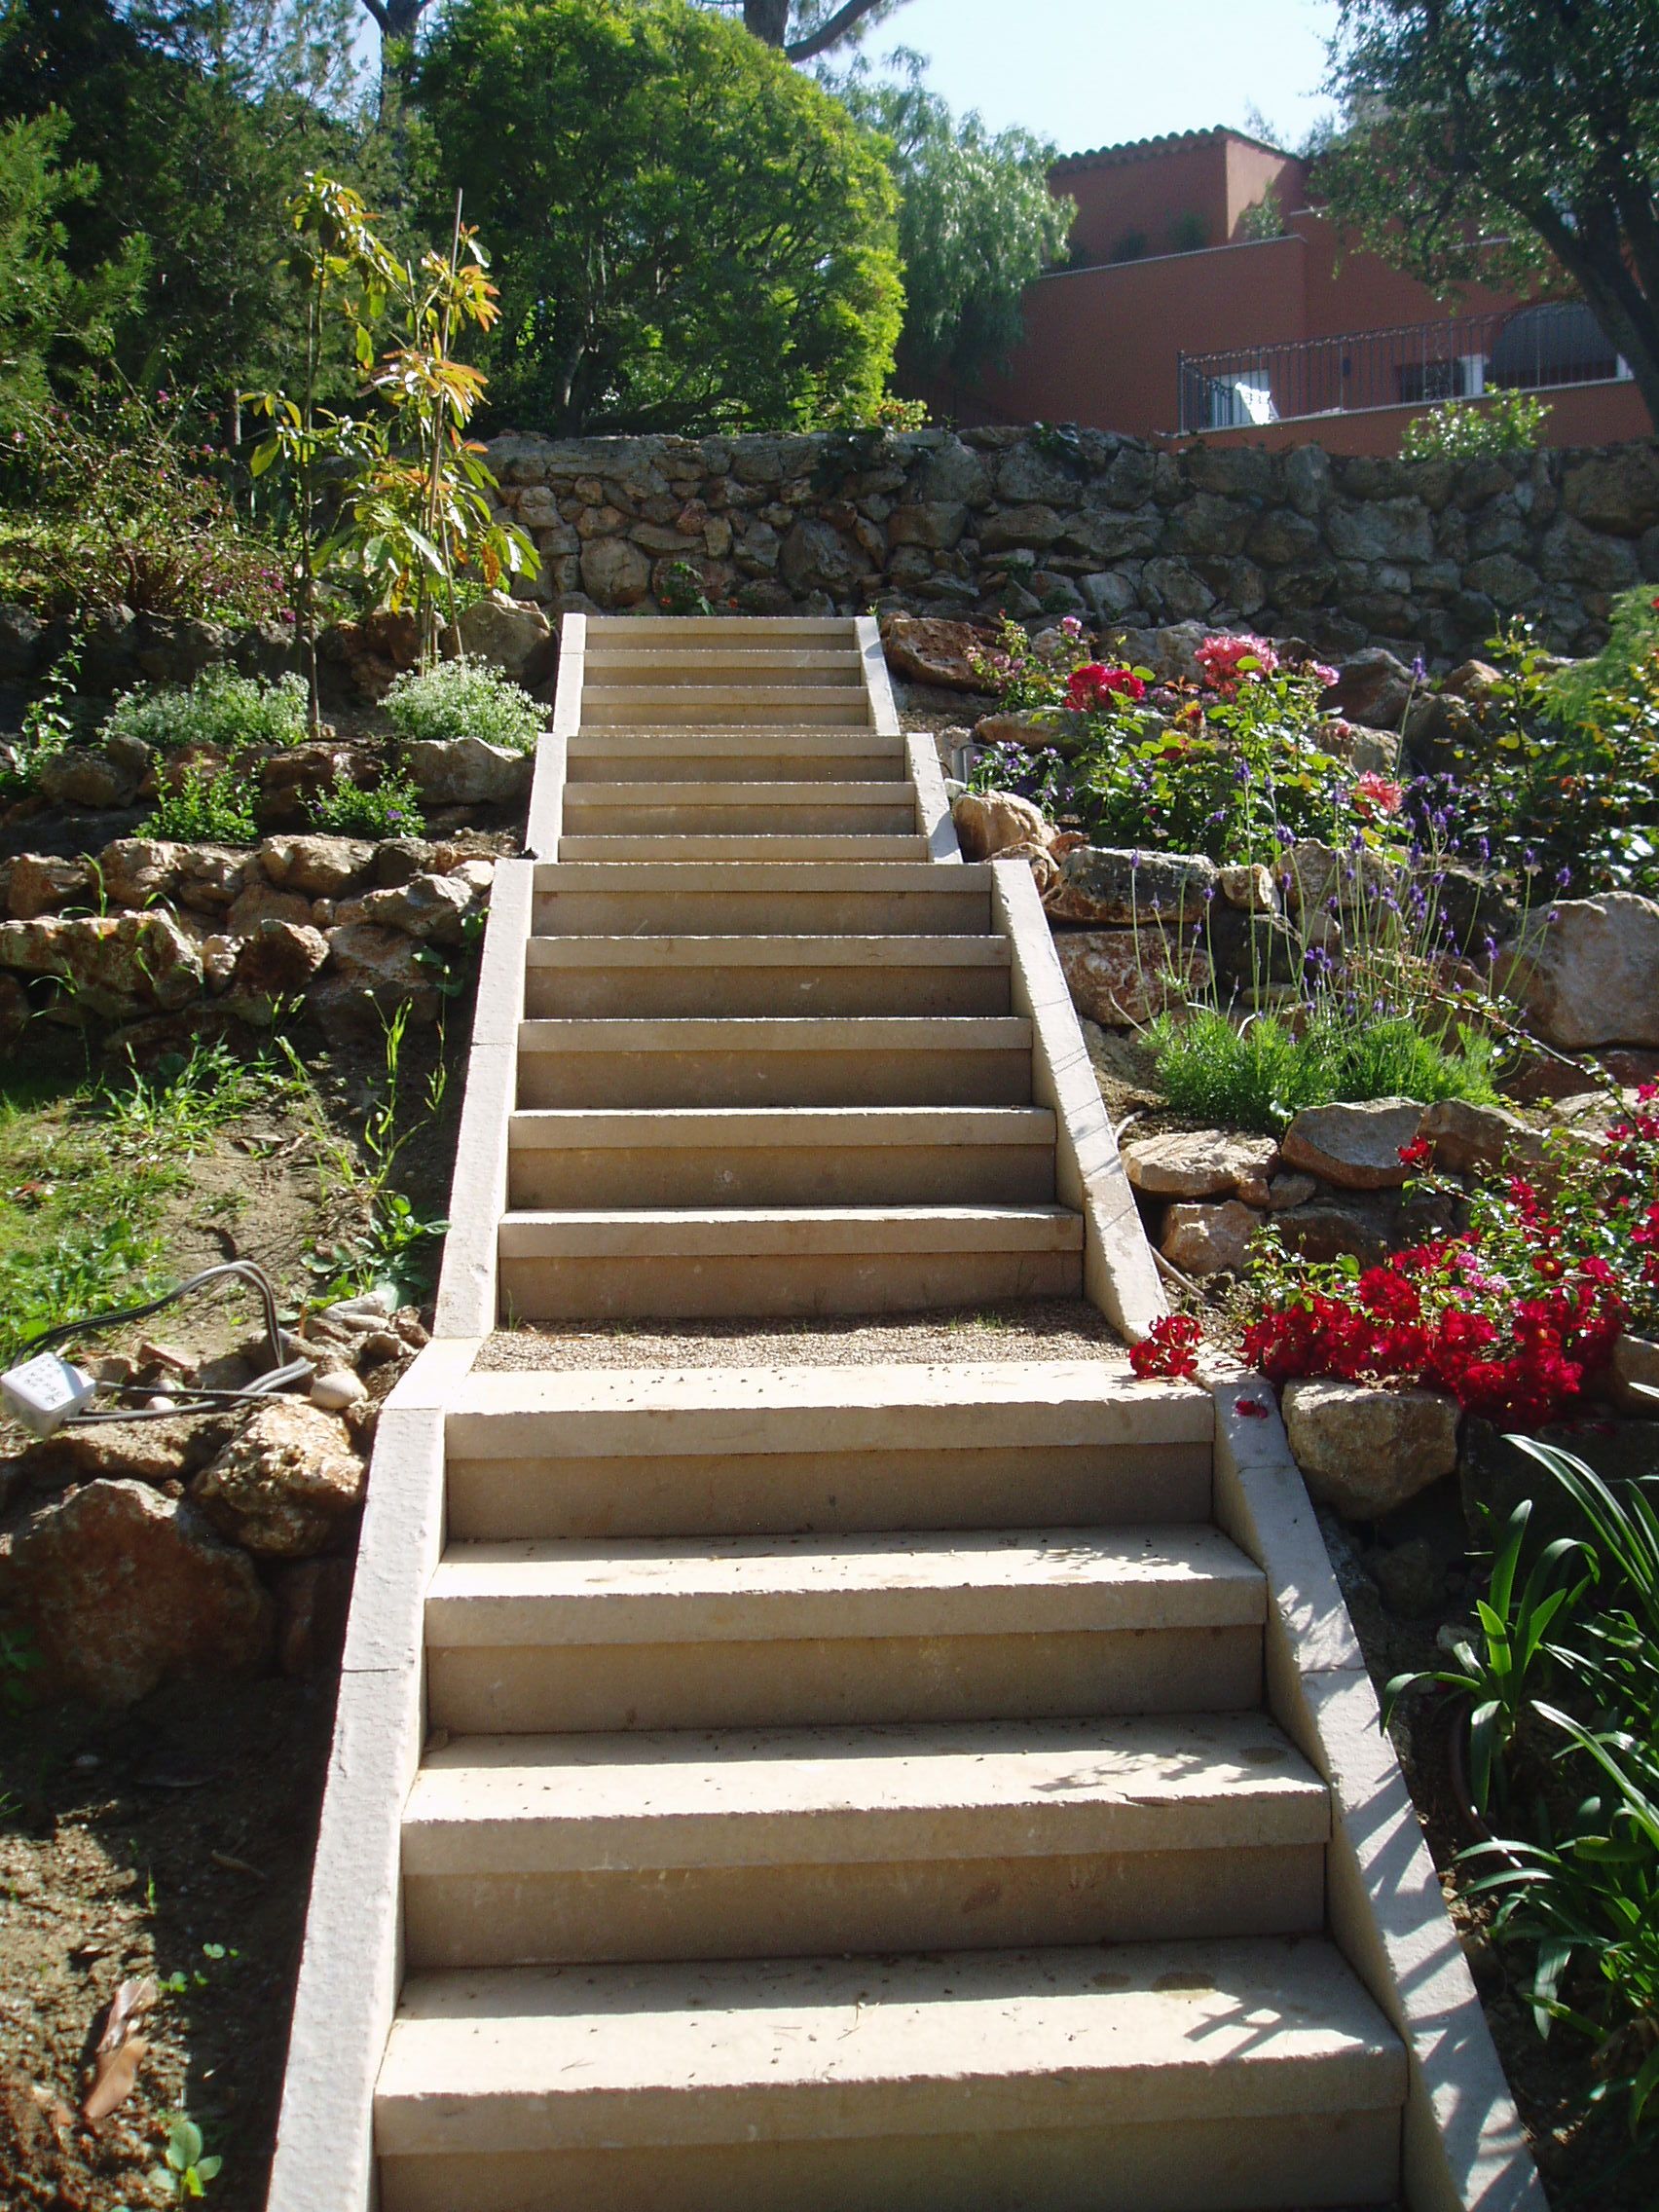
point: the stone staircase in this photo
(831, 1787)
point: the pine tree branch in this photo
(831, 33)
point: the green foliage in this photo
(47, 726)
(54, 324)
(389, 807)
(1624, 664)
(803, 29)
(203, 808)
(464, 698)
(689, 235)
(1257, 1075)
(186, 2172)
(1469, 429)
(175, 1111)
(221, 710)
(976, 223)
(1496, 142)
(121, 504)
(1188, 234)
(1264, 218)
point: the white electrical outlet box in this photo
(44, 1392)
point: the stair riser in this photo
(780, 766)
(667, 1287)
(798, 1492)
(481, 1689)
(682, 845)
(801, 708)
(784, 1175)
(887, 1076)
(622, 912)
(1056, 2162)
(788, 993)
(608, 678)
(755, 816)
(759, 1912)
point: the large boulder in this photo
(315, 866)
(614, 572)
(988, 822)
(286, 1485)
(465, 771)
(1365, 1452)
(83, 775)
(928, 651)
(1475, 1140)
(123, 1588)
(371, 972)
(1356, 1146)
(273, 966)
(428, 907)
(136, 871)
(1123, 977)
(1591, 977)
(1373, 688)
(111, 965)
(1210, 1239)
(1107, 887)
(1200, 1163)
(40, 883)
(512, 634)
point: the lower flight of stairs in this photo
(850, 1789)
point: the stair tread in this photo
(786, 1231)
(922, 877)
(837, 2047)
(798, 848)
(768, 793)
(496, 1804)
(777, 1032)
(585, 1128)
(998, 1581)
(780, 951)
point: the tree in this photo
(1508, 140)
(976, 223)
(803, 29)
(688, 235)
(52, 322)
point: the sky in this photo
(1091, 73)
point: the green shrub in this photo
(221, 709)
(389, 808)
(1468, 430)
(201, 809)
(464, 698)
(1259, 1076)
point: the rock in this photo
(427, 907)
(82, 776)
(1617, 491)
(1249, 887)
(1366, 1451)
(313, 1598)
(123, 1588)
(1198, 1163)
(1412, 1578)
(927, 651)
(1170, 652)
(22, 632)
(262, 901)
(988, 822)
(1471, 1139)
(136, 871)
(1356, 1146)
(1328, 1229)
(1039, 860)
(152, 1452)
(315, 866)
(372, 971)
(465, 771)
(511, 634)
(1373, 688)
(1210, 1239)
(1101, 885)
(41, 883)
(1287, 1191)
(210, 878)
(14, 1012)
(111, 965)
(1315, 873)
(814, 557)
(336, 1390)
(1592, 976)
(275, 964)
(287, 1485)
(1634, 1373)
(1032, 729)
(1123, 977)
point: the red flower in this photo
(1096, 686)
(1377, 795)
(1419, 1153)
(1170, 1350)
(1252, 1409)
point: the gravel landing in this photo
(1061, 1328)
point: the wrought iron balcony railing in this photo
(1533, 348)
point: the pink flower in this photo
(1070, 626)
(1377, 795)
(1327, 675)
(1222, 662)
(1095, 684)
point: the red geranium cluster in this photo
(1508, 1318)
(1170, 1350)
(1220, 661)
(1096, 686)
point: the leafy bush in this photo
(1470, 430)
(203, 809)
(388, 808)
(464, 698)
(221, 710)
(1257, 1076)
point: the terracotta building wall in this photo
(1116, 200)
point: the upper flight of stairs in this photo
(769, 1063)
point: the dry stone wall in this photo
(1342, 551)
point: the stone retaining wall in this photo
(1342, 551)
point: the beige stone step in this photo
(761, 1060)
(786, 807)
(782, 1260)
(766, 976)
(1183, 2077)
(667, 630)
(734, 756)
(689, 845)
(788, 1451)
(736, 1156)
(775, 1844)
(810, 1631)
(688, 706)
(761, 899)
(610, 667)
